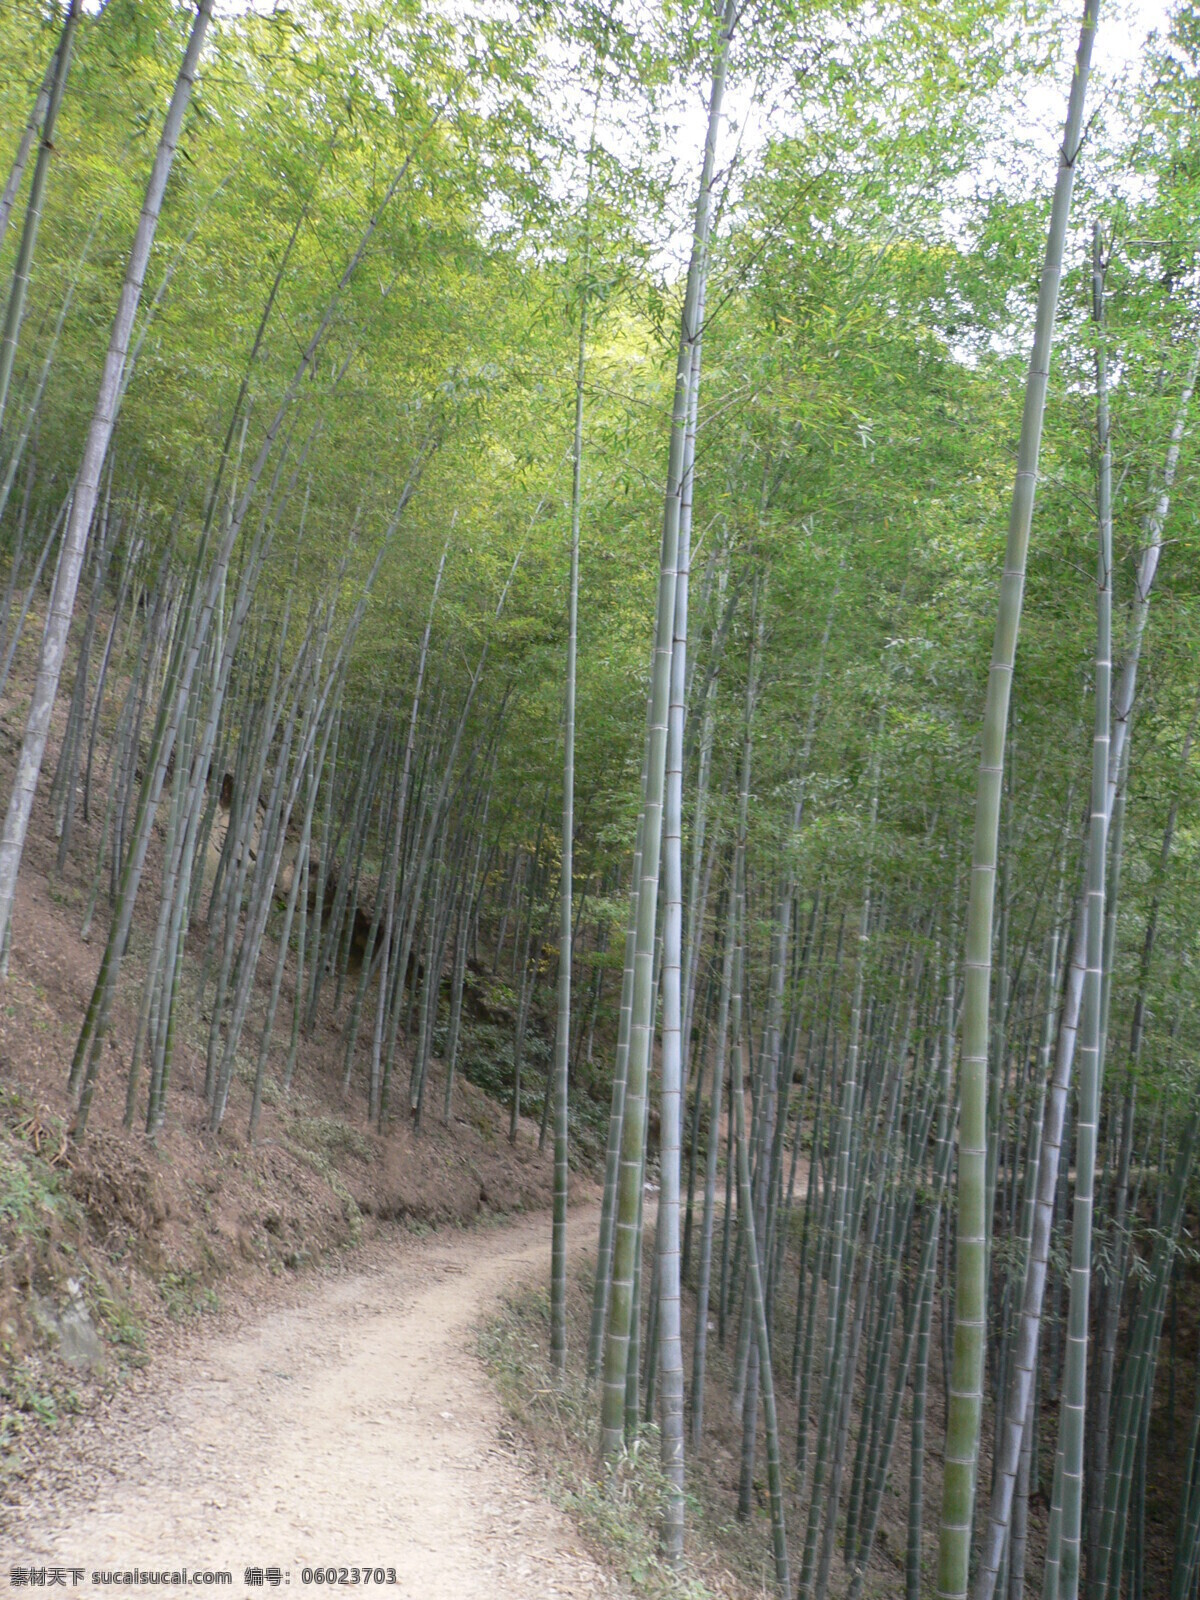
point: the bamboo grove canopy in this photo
(673, 526)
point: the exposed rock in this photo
(71, 1328)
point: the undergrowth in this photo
(185, 1295)
(316, 1137)
(486, 1060)
(618, 1514)
(31, 1397)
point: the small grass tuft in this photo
(325, 1136)
(186, 1296)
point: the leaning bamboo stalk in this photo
(402, 800)
(33, 406)
(252, 941)
(25, 143)
(965, 1400)
(240, 840)
(64, 787)
(39, 568)
(87, 486)
(1091, 1065)
(14, 314)
(201, 602)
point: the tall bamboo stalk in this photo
(965, 1401)
(1091, 1064)
(629, 1189)
(562, 1032)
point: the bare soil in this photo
(351, 1428)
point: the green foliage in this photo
(185, 1295)
(120, 1324)
(30, 1399)
(329, 1138)
(33, 1200)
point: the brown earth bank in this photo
(105, 1246)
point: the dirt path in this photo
(355, 1429)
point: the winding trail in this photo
(355, 1428)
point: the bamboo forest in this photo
(595, 642)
